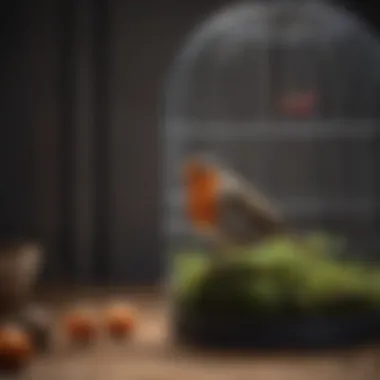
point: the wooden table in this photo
(150, 356)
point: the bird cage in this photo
(285, 93)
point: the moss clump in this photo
(282, 274)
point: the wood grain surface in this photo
(150, 355)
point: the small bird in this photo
(225, 207)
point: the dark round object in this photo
(312, 332)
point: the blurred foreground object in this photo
(16, 348)
(38, 324)
(224, 205)
(120, 320)
(20, 262)
(81, 326)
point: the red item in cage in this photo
(298, 105)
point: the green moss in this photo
(282, 273)
(189, 269)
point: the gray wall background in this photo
(81, 111)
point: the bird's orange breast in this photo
(202, 193)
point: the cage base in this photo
(308, 333)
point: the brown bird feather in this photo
(222, 204)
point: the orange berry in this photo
(16, 347)
(120, 321)
(81, 326)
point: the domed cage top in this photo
(287, 94)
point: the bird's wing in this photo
(245, 213)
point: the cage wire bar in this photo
(222, 96)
